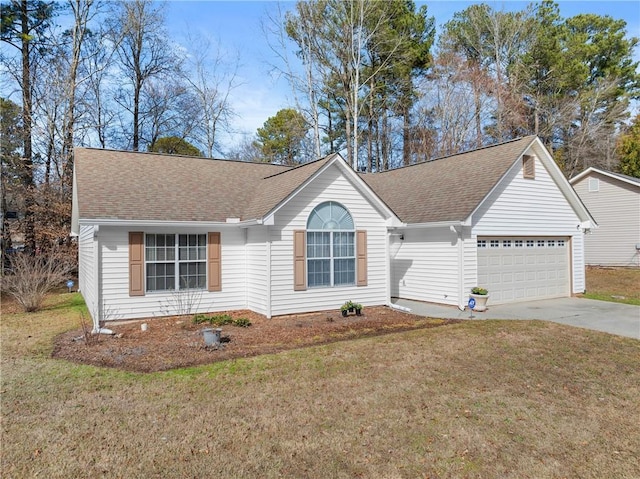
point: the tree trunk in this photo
(406, 138)
(27, 159)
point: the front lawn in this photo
(621, 285)
(508, 399)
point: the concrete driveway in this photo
(614, 318)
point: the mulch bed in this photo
(175, 342)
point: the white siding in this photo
(87, 274)
(425, 265)
(616, 209)
(257, 271)
(331, 185)
(524, 207)
(115, 278)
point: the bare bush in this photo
(32, 277)
(87, 333)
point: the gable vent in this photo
(529, 167)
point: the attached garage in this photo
(524, 268)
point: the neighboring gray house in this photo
(280, 240)
(614, 201)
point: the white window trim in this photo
(332, 258)
(176, 261)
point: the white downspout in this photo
(461, 303)
(97, 257)
(268, 298)
(388, 269)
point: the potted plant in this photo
(481, 296)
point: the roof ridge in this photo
(324, 158)
(495, 145)
(171, 155)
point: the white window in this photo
(594, 184)
(561, 243)
(175, 261)
(482, 244)
(495, 243)
(331, 252)
(540, 243)
(506, 243)
(551, 243)
(530, 244)
(518, 243)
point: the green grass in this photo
(619, 285)
(508, 399)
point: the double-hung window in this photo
(331, 252)
(175, 261)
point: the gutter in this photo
(436, 224)
(229, 223)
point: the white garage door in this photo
(522, 269)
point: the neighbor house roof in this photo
(618, 176)
(449, 188)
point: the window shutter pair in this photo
(300, 259)
(136, 263)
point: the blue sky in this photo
(237, 27)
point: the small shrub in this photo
(242, 322)
(350, 306)
(479, 290)
(33, 277)
(201, 319)
(221, 320)
(89, 338)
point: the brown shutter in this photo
(214, 262)
(299, 260)
(136, 264)
(361, 260)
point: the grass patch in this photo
(619, 285)
(508, 399)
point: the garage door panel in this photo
(521, 268)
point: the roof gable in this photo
(610, 174)
(446, 189)
(170, 188)
(334, 160)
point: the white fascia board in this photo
(608, 174)
(554, 171)
(347, 171)
(468, 221)
(561, 181)
(394, 223)
(161, 223)
(579, 176)
(435, 224)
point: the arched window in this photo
(331, 255)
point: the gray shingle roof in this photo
(142, 186)
(449, 188)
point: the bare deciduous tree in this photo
(211, 79)
(144, 52)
